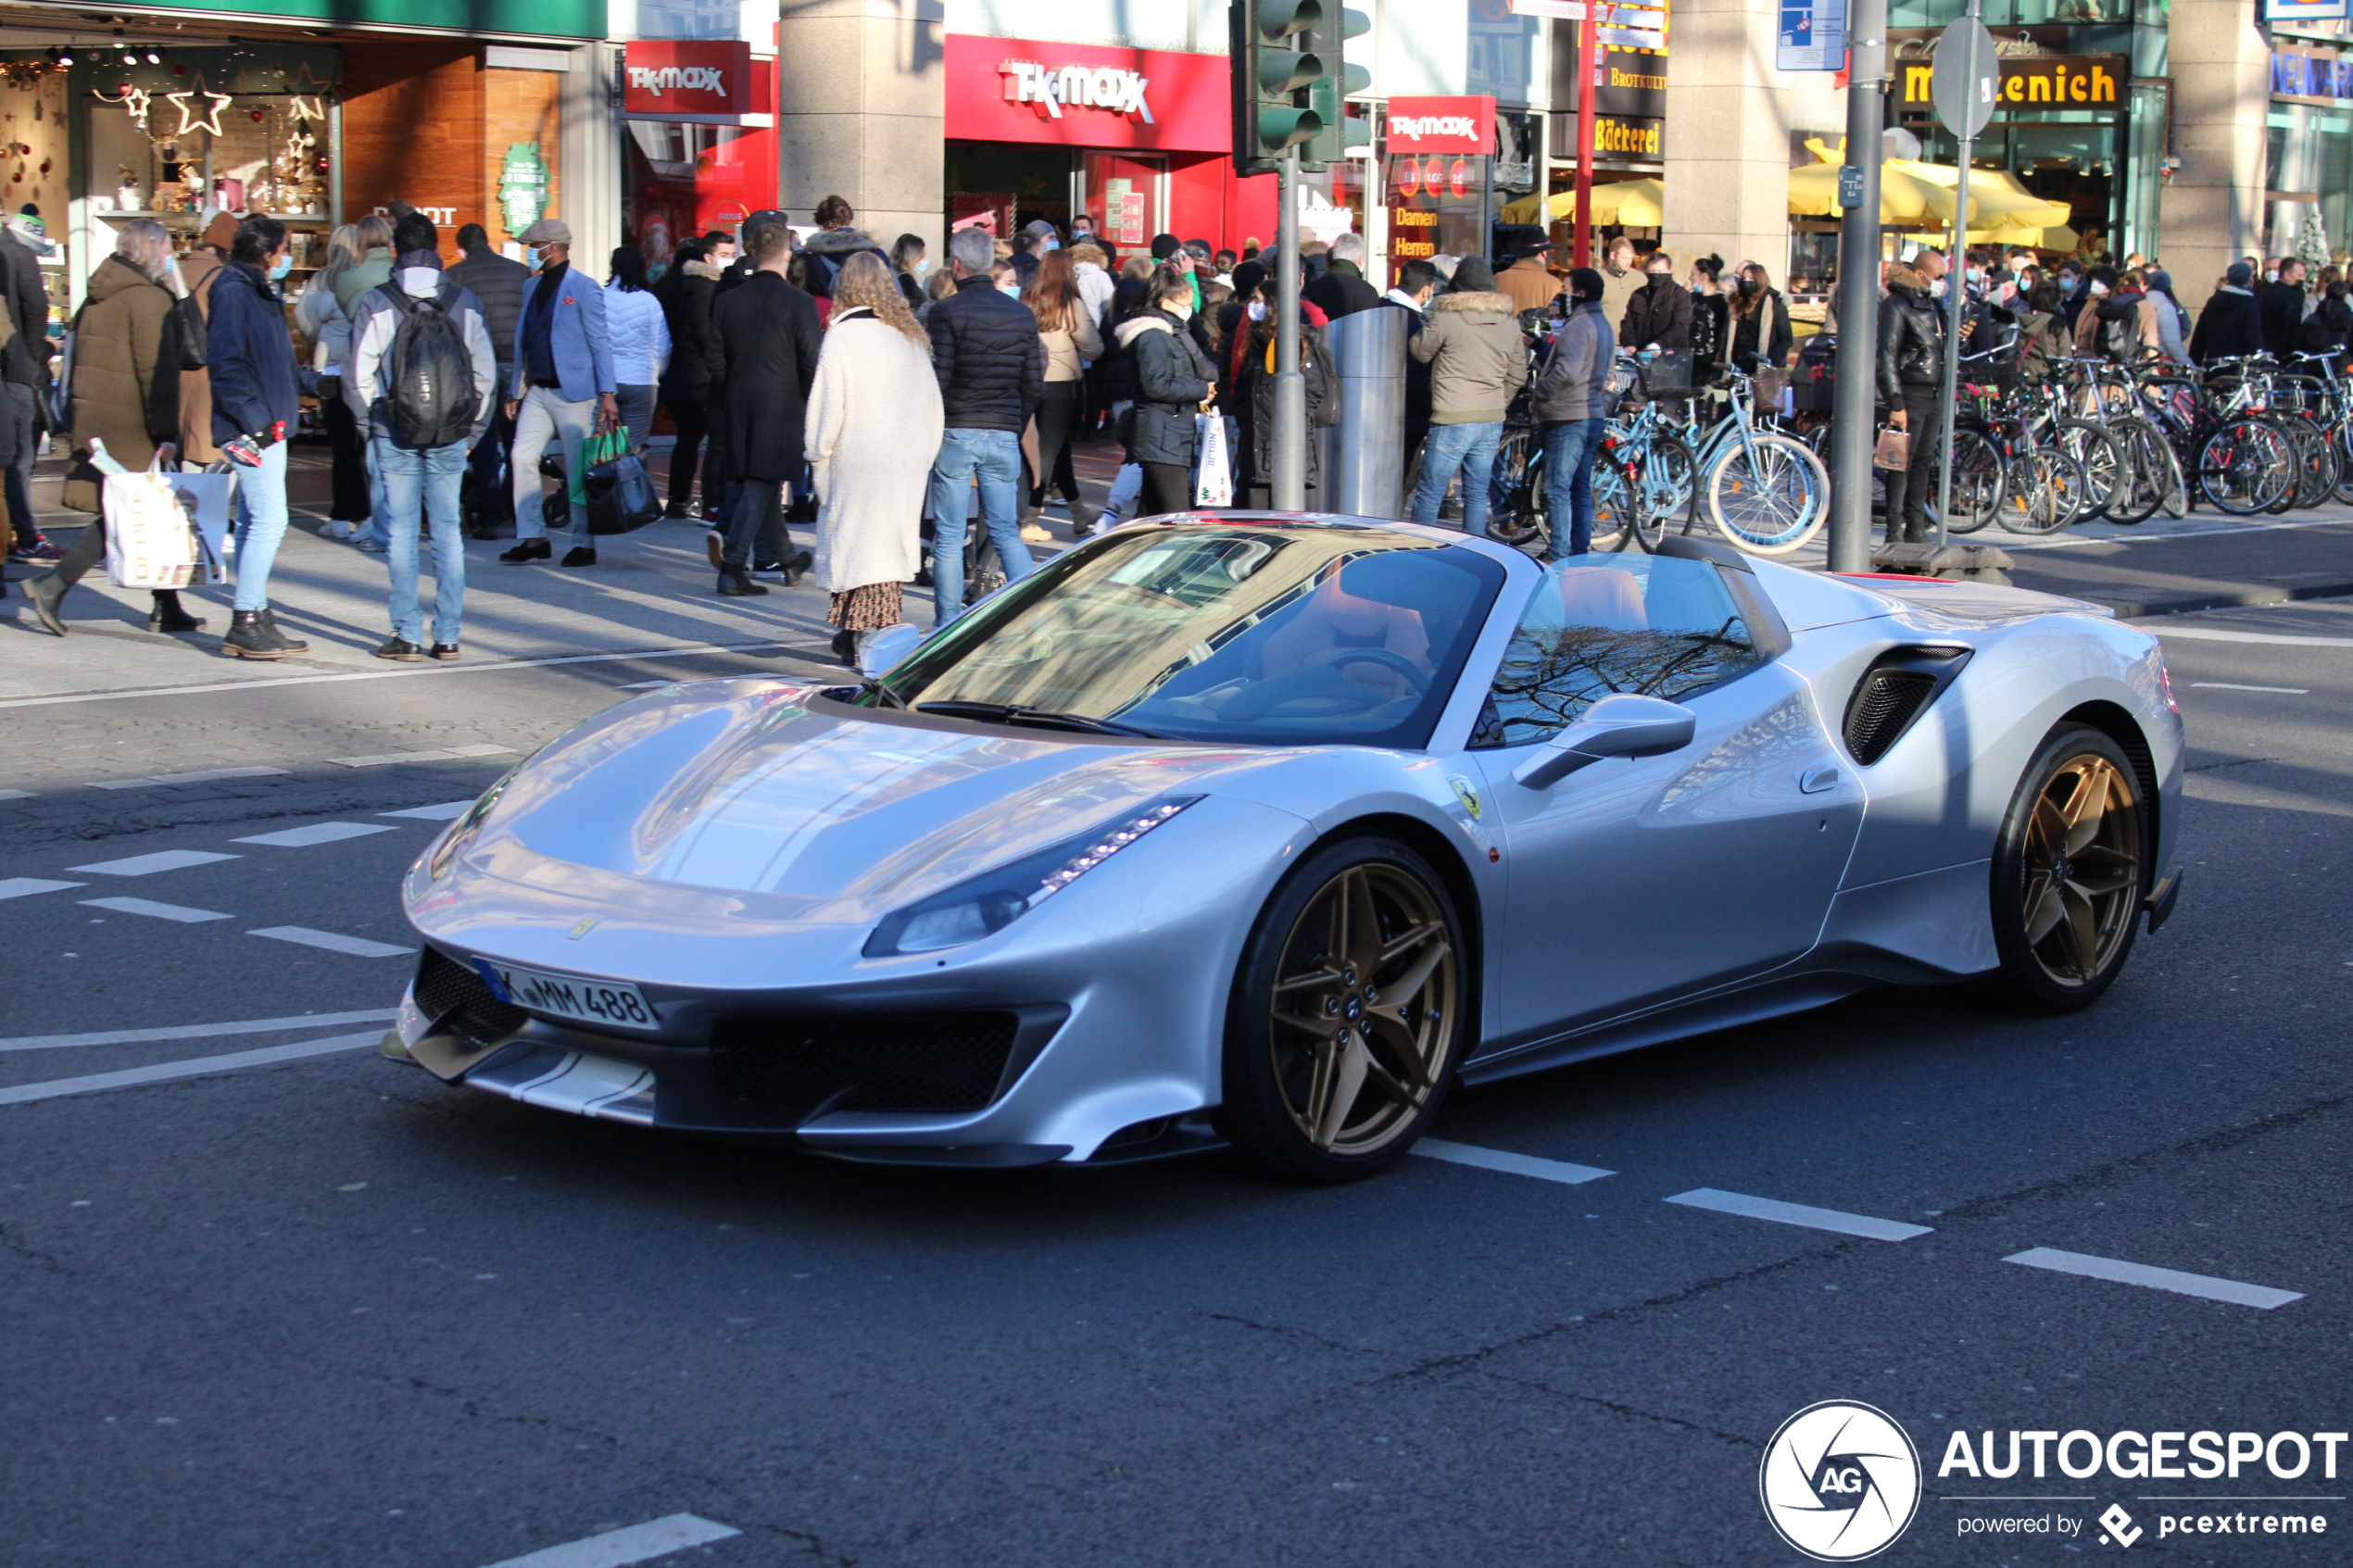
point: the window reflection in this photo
(1654, 625)
(1227, 633)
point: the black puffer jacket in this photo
(1171, 376)
(830, 250)
(1912, 338)
(2228, 327)
(990, 361)
(498, 284)
(685, 296)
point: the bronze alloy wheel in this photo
(2081, 859)
(1362, 1010)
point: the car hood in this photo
(804, 808)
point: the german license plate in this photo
(608, 1004)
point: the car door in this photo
(1636, 880)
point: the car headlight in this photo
(461, 831)
(986, 903)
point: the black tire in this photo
(2089, 895)
(1405, 1050)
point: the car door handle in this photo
(1815, 780)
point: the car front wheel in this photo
(1348, 1017)
(2069, 873)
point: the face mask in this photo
(1052, 243)
(1748, 287)
(1658, 277)
(532, 256)
(285, 265)
(2068, 282)
(1011, 290)
(1258, 310)
(2098, 289)
(1977, 276)
(2270, 276)
(1936, 289)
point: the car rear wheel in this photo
(2069, 873)
(1348, 1016)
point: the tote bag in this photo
(165, 530)
(1213, 472)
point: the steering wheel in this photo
(1397, 664)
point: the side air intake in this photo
(1894, 692)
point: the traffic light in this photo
(1274, 72)
(1328, 97)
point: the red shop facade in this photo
(700, 149)
(1139, 140)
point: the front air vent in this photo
(916, 1062)
(458, 1000)
(1894, 691)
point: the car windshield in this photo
(1269, 636)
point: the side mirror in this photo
(886, 648)
(1623, 725)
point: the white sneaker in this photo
(338, 532)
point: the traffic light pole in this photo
(1290, 489)
(1852, 420)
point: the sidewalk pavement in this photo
(652, 591)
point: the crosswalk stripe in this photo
(196, 1067)
(1803, 1214)
(180, 912)
(2232, 1291)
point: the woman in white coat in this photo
(875, 406)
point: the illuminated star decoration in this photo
(209, 123)
(134, 100)
(308, 84)
(302, 108)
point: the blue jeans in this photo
(259, 514)
(1469, 450)
(413, 483)
(995, 456)
(1569, 450)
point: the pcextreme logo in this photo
(1840, 1481)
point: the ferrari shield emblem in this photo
(1467, 795)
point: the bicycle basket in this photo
(1668, 374)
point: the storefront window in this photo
(1437, 207)
(1123, 194)
(686, 180)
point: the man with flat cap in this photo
(562, 389)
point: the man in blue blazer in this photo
(563, 387)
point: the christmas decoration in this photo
(208, 123)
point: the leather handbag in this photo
(1893, 451)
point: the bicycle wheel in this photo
(1517, 501)
(2046, 491)
(2316, 470)
(2341, 437)
(1612, 504)
(1768, 497)
(2106, 462)
(2246, 466)
(1661, 488)
(2156, 473)
(1979, 482)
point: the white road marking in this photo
(1514, 1164)
(617, 1548)
(441, 754)
(196, 1067)
(198, 1030)
(317, 833)
(2207, 1286)
(15, 795)
(447, 811)
(1799, 1214)
(180, 912)
(476, 668)
(161, 860)
(206, 776)
(2217, 634)
(2235, 686)
(25, 886)
(359, 947)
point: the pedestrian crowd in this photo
(890, 404)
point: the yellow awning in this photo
(1903, 197)
(1632, 204)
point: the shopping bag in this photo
(621, 496)
(165, 529)
(1213, 474)
(596, 449)
(1893, 451)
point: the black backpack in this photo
(431, 375)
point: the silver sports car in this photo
(1262, 831)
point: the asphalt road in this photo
(321, 1311)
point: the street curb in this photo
(2133, 609)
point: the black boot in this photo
(248, 638)
(846, 647)
(285, 644)
(734, 583)
(796, 563)
(527, 549)
(581, 555)
(165, 615)
(43, 594)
